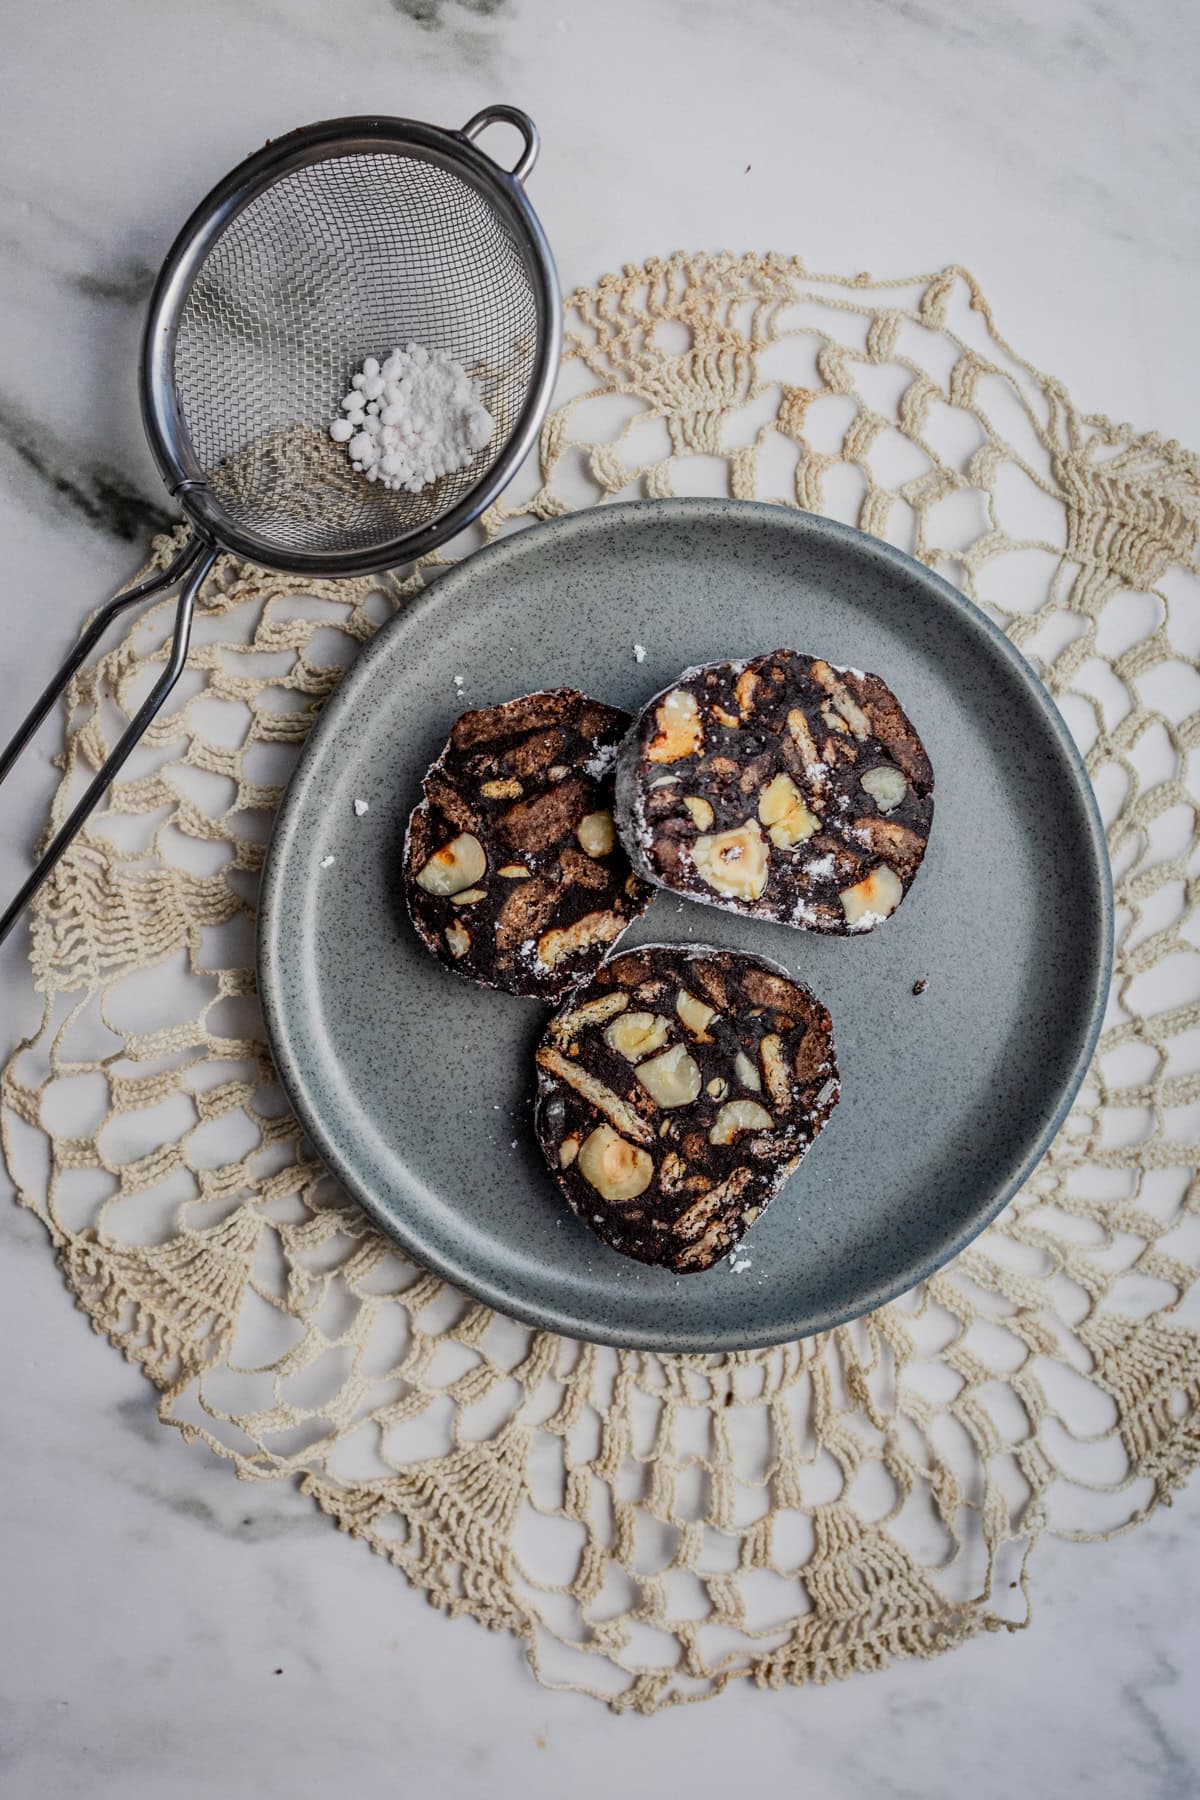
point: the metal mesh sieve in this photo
(336, 260)
(341, 241)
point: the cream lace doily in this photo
(653, 1528)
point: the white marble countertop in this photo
(169, 1631)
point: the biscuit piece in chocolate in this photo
(784, 787)
(677, 1090)
(513, 871)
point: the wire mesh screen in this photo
(342, 259)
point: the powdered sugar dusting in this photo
(867, 921)
(412, 419)
(598, 764)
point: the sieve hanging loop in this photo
(508, 115)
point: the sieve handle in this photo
(190, 566)
(508, 115)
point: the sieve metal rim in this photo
(162, 416)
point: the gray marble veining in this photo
(103, 497)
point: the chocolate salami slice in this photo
(783, 787)
(513, 871)
(677, 1090)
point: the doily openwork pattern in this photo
(654, 1528)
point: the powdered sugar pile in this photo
(413, 418)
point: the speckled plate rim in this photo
(497, 561)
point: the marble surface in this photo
(167, 1629)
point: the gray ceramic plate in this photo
(415, 1087)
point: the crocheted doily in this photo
(653, 1528)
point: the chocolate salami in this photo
(513, 871)
(783, 787)
(677, 1090)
